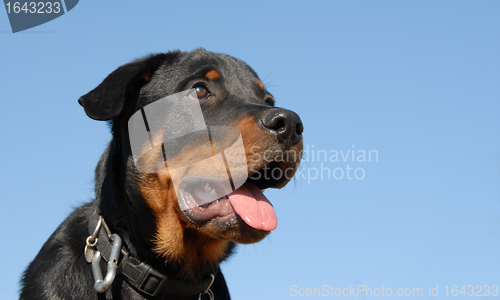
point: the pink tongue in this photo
(253, 207)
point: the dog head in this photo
(230, 95)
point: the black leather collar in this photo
(141, 276)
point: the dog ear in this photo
(106, 101)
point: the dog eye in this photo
(269, 101)
(202, 92)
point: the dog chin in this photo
(244, 234)
(235, 230)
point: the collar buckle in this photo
(142, 276)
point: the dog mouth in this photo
(247, 202)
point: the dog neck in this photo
(103, 244)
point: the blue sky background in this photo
(417, 81)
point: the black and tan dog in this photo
(166, 252)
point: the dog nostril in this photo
(276, 122)
(299, 128)
(279, 124)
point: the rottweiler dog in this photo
(134, 241)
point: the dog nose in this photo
(285, 123)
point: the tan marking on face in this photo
(195, 160)
(254, 140)
(212, 75)
(261, 85)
